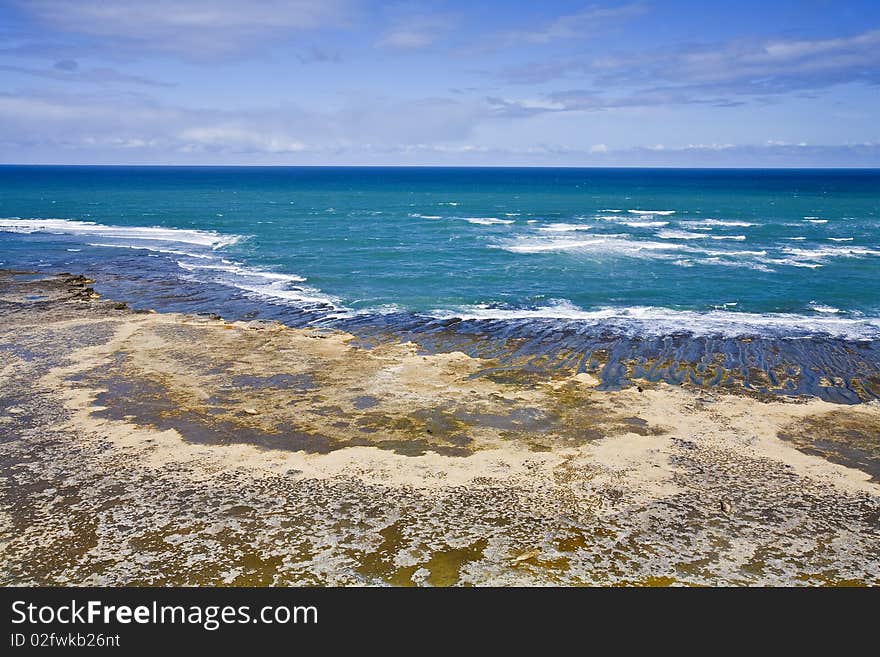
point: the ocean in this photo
(560, 264)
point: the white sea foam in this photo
(813, 220)
(743, 264)
(679, 235)
(243, 271)
(824, 252)
(796, 239)
(487, 221)
(153, 249)
(841, 239)
(648, 320)
(417, 215)
(821, 308)
(791, 262)
(658, 212)
(613, 244)
(645, 224)
(552, 245)
(717, 222)
(200, 263)
(301, 296)
(205, 238)
(758, 254)
(564, 228)
(260, 283)
(738, 238)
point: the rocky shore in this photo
(154, 449)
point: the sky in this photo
(461, 83)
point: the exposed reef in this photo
(144, 448)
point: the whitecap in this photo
(717, 222)
(645, 224)
(564, 228)
(821, 308)
(261, 283)
(743, 264)
(244, 271)
(650, 320)
(207, 238)
(679, 235)
(614, 244)
(658, 212)
(487, 221)
(736, 253)
(823, 252)
(188, 254)
(791, 262)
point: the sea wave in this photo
(651, 320)
(679, 235)
(792, 262)
(154, 249)
(645, 224)
(234, 268)
(206, 238)
(716, 222)
(487, 221)
(564, 228)
(610, 244)
(657, 212)
(824, 252)
(200, 262)
(822, 308)
(270, 285)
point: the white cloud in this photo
(754, 67)
(77, 121)
(412, 29)
(238, 138)
(69, 71)
(598, 148)
(576, 25)
(191, 28)
(406, 39)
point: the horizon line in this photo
(448, 166)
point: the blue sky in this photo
(672, 83)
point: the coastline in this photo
(143, 448)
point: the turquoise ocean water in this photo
(636, 252)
